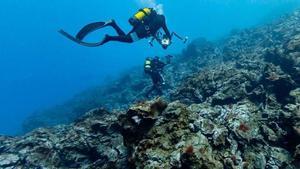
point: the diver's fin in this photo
(89, 29)
(67, 35)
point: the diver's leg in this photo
(131, 37)
(98, 25)
(124, 38)
(158, 83)
(150, 91)
(117, 28)
(153, 78)
(158, 89)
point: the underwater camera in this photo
(164, 41)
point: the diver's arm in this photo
(161, 65)
(165, 28)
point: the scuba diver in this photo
(154, 67)
(146, 23)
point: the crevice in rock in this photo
(226, 101)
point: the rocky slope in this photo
(128, 89)
(233, 104)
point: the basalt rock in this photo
(156, 134)
(221, 85)
(139, 119)
(90, 142)
(232, 137)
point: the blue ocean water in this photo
(39, 68)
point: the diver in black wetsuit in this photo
(154, 67)
(146, 23)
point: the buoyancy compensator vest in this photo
(142, 16)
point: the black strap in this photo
(142, 10)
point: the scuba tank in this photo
(141, 16)
(148, 65)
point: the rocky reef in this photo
(157, 134)
(231, 104)
(128, 89)
(90, 142)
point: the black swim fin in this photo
(74, 39)
(89, 29)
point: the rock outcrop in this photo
(157, 134)
(90, 142)
(201, 136)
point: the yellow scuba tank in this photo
(140, 16)
(142, 13)
(147, 65)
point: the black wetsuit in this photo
(148, 29)
(155, 74)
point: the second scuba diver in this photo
(146, 23)
(154, 68)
